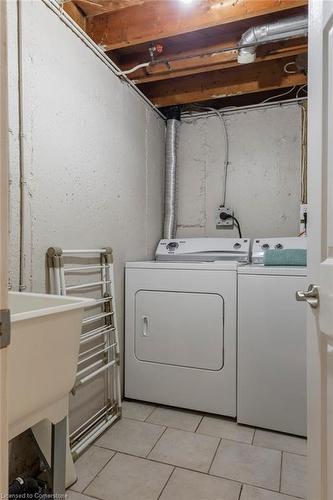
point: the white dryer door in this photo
(179, 328)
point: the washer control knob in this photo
(173, 245)
(265, 246)
(237, 246)
(279, 246)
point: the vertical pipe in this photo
(3, 244)
(22, 286)
(171, 174)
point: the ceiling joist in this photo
(245, 79)
(191, 65)
(196, 46)
(97, 7)
(166, 18)
(76, 14)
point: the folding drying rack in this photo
(69, 271)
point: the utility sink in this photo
(42, 358)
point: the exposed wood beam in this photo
(196, 40)
(96, 7)
(76, 14)
(244, 79)
(198, 44)
(162, 19)
(190, 65)
(248, 99)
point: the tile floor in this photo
(162, 453)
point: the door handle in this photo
(145, 326)
(311, 296)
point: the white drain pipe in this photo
(281, 29)
(172, 133)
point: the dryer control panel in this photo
(260, 245)
(204, 249)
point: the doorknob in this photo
(311, 296)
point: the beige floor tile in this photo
(279, 441)
(185, 449)
(221, 427)
(89, 464)
(178, 419)
(248, 464)
(293, 480)
(189, 485)
(130, 478)
(75, 495)
(136, 410)
(252, 493)
(131, 436)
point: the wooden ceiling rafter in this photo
(139, 24)
(194, 64)
(72, 9)
(92, 8)
(199, 59)
(245, 79)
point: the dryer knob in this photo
(265, 246)
(279, 246)
(237, 246)
(172, 245)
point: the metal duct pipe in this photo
(172, 132)
(269, 32)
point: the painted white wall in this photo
(14, 173)
(93, 153)
(93, 150)
(263, 185)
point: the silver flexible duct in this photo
(170, 178)
(277, 30)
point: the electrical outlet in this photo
(303, 218)
(224, 223)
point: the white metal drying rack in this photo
(99, 346)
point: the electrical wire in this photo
(302, 88)
(304, 186)
(237, 224)
(226, 155)
(132, 70)
(288, 71)
(279, 95)
(56, 7)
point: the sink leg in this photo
(58, 459)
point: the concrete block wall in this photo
(264, 181)
(93, 153)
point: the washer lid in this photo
(204, 249)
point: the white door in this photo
(3, 251)
(320, 319)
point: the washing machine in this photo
(180, 330)
(272, 342)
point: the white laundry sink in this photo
(43, 353)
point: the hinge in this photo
(4, 328)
